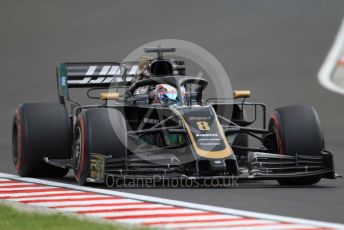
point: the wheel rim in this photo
(15, 144)
(77, 149)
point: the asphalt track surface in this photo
(274, 48)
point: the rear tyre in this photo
(40, 130)
(101, 131)
(297, 131)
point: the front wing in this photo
(260, 166)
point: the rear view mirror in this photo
(109, 96)
(241, 94)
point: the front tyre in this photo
(297, 131)
(100, 131)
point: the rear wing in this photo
(98, 74)
(91, 75)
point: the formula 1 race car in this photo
(160, 124)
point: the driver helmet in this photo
(165, 93)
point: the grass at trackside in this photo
(14, 219)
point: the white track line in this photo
(180, 203)
(157, 220)
(263, 227)
(229, 223)
(326, 71)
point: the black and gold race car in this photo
(160, 125)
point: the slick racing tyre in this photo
(40, 130)
(297, 130)
(101, 131)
